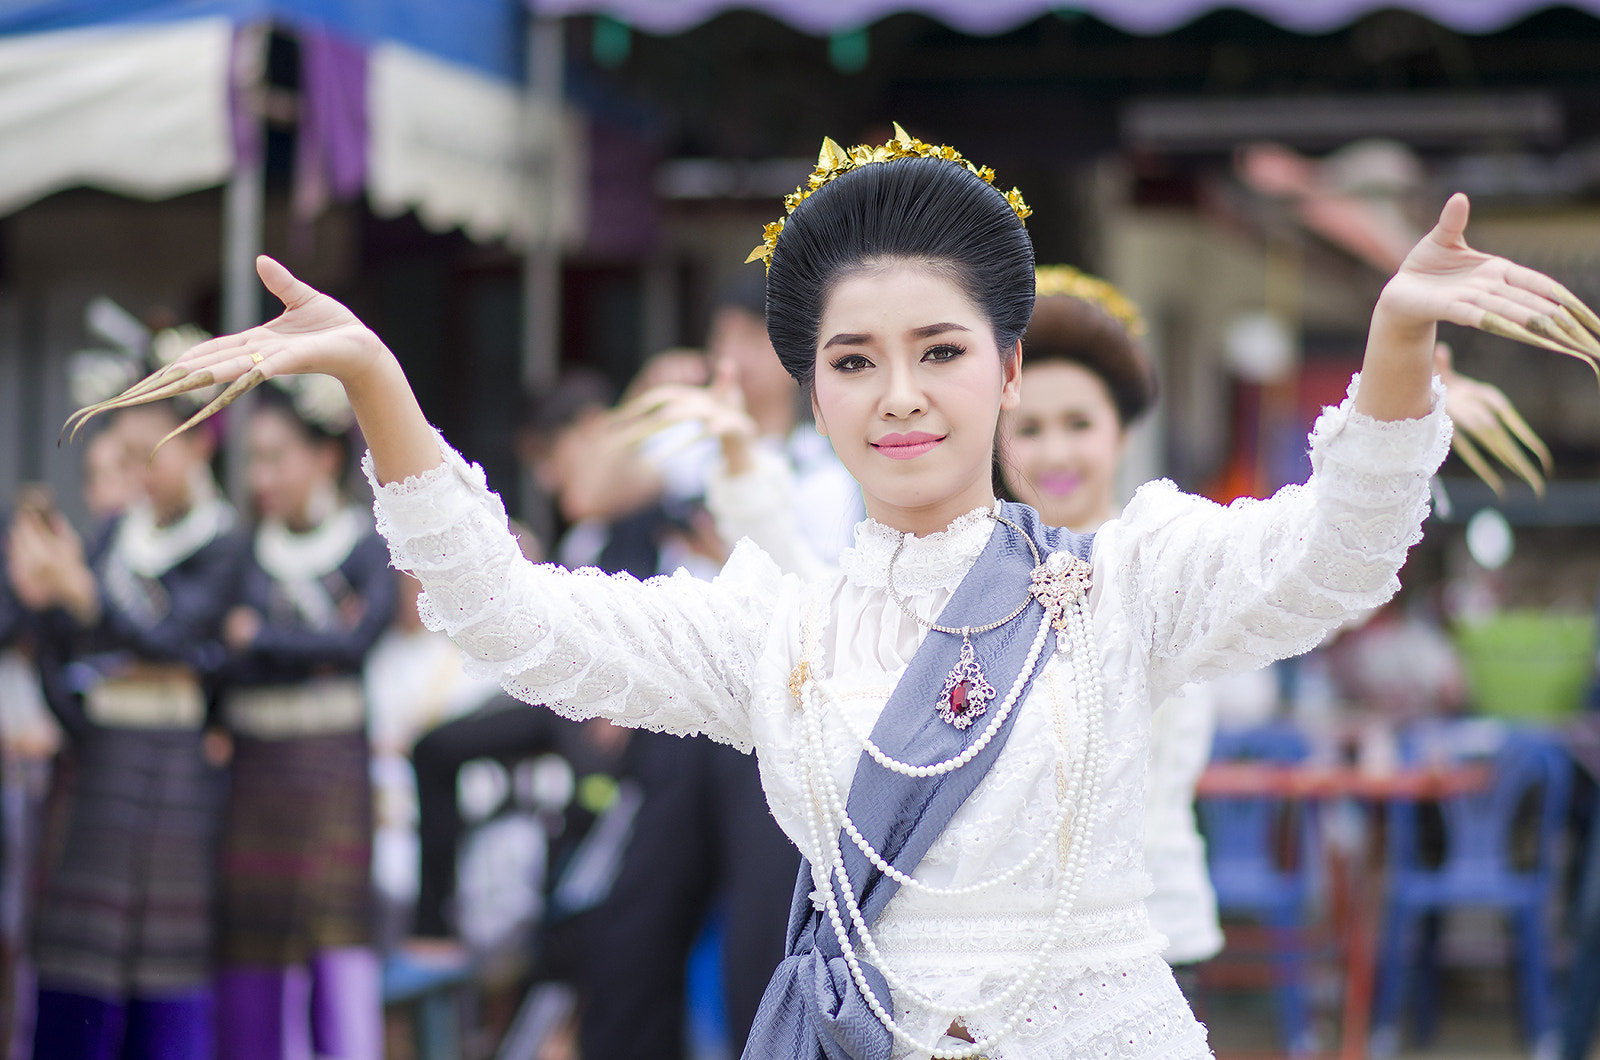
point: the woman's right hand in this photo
(313, 334)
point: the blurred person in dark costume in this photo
(127, 633)
(298, 974)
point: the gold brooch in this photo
(1057, 583)
(1064, 279)
(834, 160)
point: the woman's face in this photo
(110, 475)
(1061, 445)
(909, 385)
(285, 467)
(165, 477)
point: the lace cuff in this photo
(1348, 443)
(672, 654)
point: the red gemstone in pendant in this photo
(966, 694)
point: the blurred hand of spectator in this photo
(601, 467)
(717, 411)
(241, 628)
(45, 558)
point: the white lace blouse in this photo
(1183, 589)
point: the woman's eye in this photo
(1080, 423)
(943, 353)
(1029, 429)
(850, 362)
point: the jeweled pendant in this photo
(967, 692)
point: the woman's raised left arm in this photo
(1210, 590)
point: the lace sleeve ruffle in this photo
(674, 654)
(1213, 590)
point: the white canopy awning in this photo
(141, 110)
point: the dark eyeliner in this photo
(957, 349)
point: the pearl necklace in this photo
(1082, 795)
(866, 848)
(967, 693)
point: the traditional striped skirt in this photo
(297, 849)
(126, 905)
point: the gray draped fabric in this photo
(812, 1009)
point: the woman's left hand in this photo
(1443, 279)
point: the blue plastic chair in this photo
(1247, 839)
(1477, 869)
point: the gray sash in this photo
(812, 1009)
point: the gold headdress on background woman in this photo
(1064, 279)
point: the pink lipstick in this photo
(907, 446)
(1058, 483)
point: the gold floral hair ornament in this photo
(1064, 279)
(834, 160)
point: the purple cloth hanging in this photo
(331, 146)
(624, 211)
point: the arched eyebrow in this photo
(927, 331)
(931, 330)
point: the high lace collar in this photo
(925, 564)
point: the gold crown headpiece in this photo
(1064, 279)
(834, 160)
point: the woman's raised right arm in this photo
(673, 654)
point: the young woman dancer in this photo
(954, 730)
(1085, 379)
(123, 934)
(299, 976)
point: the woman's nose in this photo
(903, 395)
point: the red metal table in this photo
(1358, 881)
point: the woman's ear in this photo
(1011, 385)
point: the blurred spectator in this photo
(298, 969)
(110, 476)
(414, 683)
(1401, 664)
(123, 936)
(701, 836)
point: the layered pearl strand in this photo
(1046, 841)
(827, 816)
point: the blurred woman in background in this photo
(128, 635)
(1085, 380)
(299, 976)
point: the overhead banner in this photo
(141, 110)
(987, 17)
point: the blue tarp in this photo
(483, 34)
